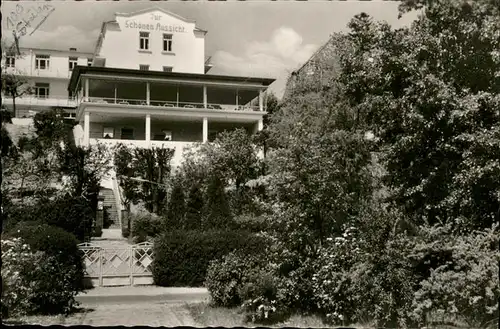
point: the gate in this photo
(118, 266)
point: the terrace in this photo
(148, 108)
(166, 90)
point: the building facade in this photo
(47, 71)
(146, 84)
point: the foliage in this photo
(176, 212)
(226, 277)
(194, 208)
(231, 156)
(74, 215)
(143, 175)
(463, 283)
(145, 225)
(14, 85)
(42, 275)
(17, 261)
(181, 258)
(430, 93)
(58, 243)
(217, 213)
(84, 167)
(51, 129)
(320, 173)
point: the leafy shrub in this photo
(226, 277)
(36, 282)
(74, 215)
(57, 243)
(181, 258)
(144, 225)
(217, 214)
(17, 261)
(466, 284)
(252, 223)
(176, 211)
(194, 208)
(260, 296)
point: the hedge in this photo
(58, 277)
(181, 258)
(56, 242)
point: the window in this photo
(144, 67)
(89, 61)
(10, 61)
(144, 40)
(127, 133)
(73, 62)
(167, 135)
(167, 42)
(167, 69)
(108, 132)
(42, 62)
(42, 90)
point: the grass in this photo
(208, 316)
(74, 318)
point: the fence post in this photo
(132, 255)
(100, 267)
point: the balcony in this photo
(42, 101)
(166, 104)
(50, 73)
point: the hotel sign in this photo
(131, 24)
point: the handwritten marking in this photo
(20, 19)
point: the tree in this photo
(13, 83)
(194, 208)
(176, 210)
(143, 175)
(84, 167)
(430, 93)
(232, 156)
(262, 137)
(216, 213)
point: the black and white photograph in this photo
(309, 164)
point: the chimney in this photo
(72, 49)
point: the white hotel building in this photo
(146, 84)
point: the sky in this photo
(252, 38)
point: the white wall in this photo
(120, 46)
(58, 63)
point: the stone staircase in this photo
(109, 203)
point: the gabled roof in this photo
(156, 8)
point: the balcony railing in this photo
(178, 146)
(43, 101)
(52, 73)
(173, 104)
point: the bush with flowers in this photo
(465, 283)
(36, 282)
(18, 260)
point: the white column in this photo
(261, 100)
(205, 102)
(236, 98)
(148, 93)
(148, 129)
(205, 130)
(115, 93)
(86, 90)
(177, 96)
(260, 125)
(86, 129)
